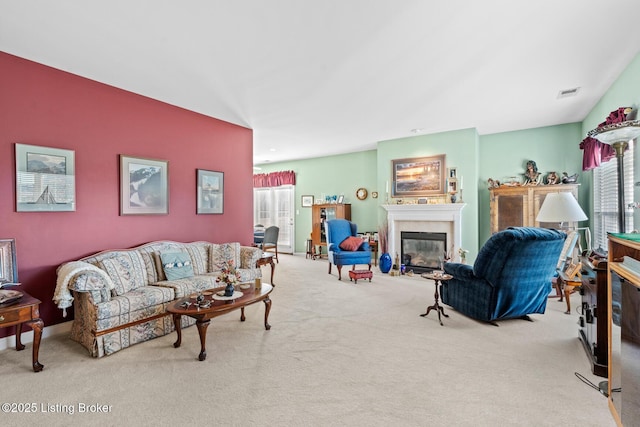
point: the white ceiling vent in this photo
(568, 92)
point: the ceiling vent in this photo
(568, 92)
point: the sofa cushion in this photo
(127, 271)
(132, 306)
(186, 287)
(199, 253)
(351, 243)
(176, 265)
(222, 254)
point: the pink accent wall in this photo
(43, 106)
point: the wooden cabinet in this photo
(624, 325)
(519, 206)
(322, 213)
(593, 326)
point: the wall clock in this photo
(361, 193)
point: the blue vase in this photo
(385, 262)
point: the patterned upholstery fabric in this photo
(143, 291)
(199, 253)
(510, 278)
(127, 270)
(184, 287)
(222, 254)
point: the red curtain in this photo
(274, 179)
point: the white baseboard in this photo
(27, 337)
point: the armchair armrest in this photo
(459, 271)
(80, 276)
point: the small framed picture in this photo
(144, 186)
(340, 198)
(307, 201)
(210, 192)
(453, 172)
(374, 194)
(8, 266)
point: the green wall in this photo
(624, 92)
(477, 158)
(339, 175)
(502, 155)
(461, 150)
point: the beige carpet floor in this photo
(338, 354)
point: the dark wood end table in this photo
(436, 277)
(26, 310)
(217, 308)
(267, 259)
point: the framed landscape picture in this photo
(307, 201)
(210, 192)
(45, 179)
(144, 186)
(418, 176)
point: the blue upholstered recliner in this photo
(511, 277)
(337, 230)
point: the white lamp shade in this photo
(560, 207)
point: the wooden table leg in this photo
(36, 325)
(436, 306)
(19, 345)
(567, 293)
(242, 318)
(202, 331)
(273, 267)
(177, 323)
(267, 309)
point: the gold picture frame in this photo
(418, 176)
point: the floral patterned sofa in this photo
(119, 296)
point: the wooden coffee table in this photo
(217, 308)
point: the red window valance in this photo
(274, 179)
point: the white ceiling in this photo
(315, 78)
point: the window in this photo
(605, 198)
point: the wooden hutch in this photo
(322, 213)
(518, 206)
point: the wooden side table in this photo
(374, 249)
(436, 277)
(267, 259)
(24, 311)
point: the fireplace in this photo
(442, 218)
(422, 251)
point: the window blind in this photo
(605, 198)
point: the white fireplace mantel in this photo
(445, 217)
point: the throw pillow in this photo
(176, 265)
(127, 271)
(351, 243)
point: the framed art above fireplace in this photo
(418, 176)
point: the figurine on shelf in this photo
(566, 179)
(553, 178)
(531, 175)
(493, 183)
